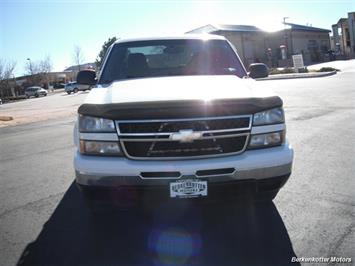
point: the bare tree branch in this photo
(6, 73)
(38, 70)
(45, 65)
(6, 69)
(32, 68)
(78, 56)
(38, 67)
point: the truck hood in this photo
(178, 97)
(179, 88)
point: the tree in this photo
(100, 58)
(6, 69)
(31, 68)
(6, 73)
(78, 56)
(45, 65)
(38, 71)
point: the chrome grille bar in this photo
(206, 145)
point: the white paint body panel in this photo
(178, 88)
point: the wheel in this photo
(68, 92)
(45, 95)
(76, 90)
(36, 95)
(27, 96)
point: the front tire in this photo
(69, 92)
(76, 90)
(36, 95)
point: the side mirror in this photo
(258, 70)
(86, 77)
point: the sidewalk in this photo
(342, 65)
(299, 75)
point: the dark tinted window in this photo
(171, 58)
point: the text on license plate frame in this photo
(188, 188)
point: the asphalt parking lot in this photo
(55, 105)
(43, 220)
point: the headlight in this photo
(95, 124)
(267, 140)
(99, 147)
(273, 116)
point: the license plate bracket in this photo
(188, 188)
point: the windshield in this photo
(171, 58)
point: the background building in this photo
(344, 36)
(16, 86)
(274, 48)
(313, 43)
(248, 40)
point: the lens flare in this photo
(174, 246)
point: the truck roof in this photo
(176, 37)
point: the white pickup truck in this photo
(179, 117)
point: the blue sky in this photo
(36, 29)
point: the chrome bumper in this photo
(113, 171)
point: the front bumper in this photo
(127, 195)
(257, 165)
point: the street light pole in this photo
(14, 93)
(284, 19)
(285, 34)
(285, 38)
(29, 60)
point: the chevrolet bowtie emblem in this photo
(186, 135)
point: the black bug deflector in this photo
(179, 109)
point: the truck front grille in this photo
(175, 126)
(184, 138)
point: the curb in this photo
(6, 118)
(295, 76)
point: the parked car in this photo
(74, 87)
(179, 118)
(58, 86)
(35, 91)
